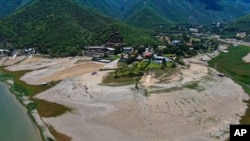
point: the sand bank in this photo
(194, 104)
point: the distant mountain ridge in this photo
(178, 11)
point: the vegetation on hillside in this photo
(239, 25)
(113, 8)
(63, 28)
(147, 18)
(183, 11)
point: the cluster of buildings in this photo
(19, 52)
(99, 53)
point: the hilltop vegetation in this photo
(241, 25)
(63, 28)
(181, 11)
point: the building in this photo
(241, 34)
(159, 59)
(193, 30)
(128, 50)
(176, 42)
(98, 51)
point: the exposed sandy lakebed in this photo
(172, 112)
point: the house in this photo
(98, 51)
(193, 30)
(148, 55)
(159, 59)
(109, 50)
(197, 34)
(4, 52)
(176, 42)
(94, 51)
(29, 51)
(162, 47)
(128, 50)
(94, 48)
(241, 34)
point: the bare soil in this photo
(194, 104)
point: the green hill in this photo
(239, 25)
(179, 11)
(196, 11)
(63, 28)
(113, 8)
(146, 17)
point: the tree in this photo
(163, 64)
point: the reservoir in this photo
(15, 124)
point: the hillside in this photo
(8, 6)
(62, 28)
(196, 11)
(113, 8)
(240, 25)
(179, 11)
(147, 18)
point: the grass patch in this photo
(111, 80)
(167, 90)
(112, 57)
(232, 65)
(57, 135)
(195, 86)
(50, 109)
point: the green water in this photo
(15, 124)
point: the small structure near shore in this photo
(221, 74)
(44, 83)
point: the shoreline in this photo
(23, 107)
(33, 115)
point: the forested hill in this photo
(179, 11)
(8, 6)
(239, 25)
(146, 17)
(113, 8)
(63, 28)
